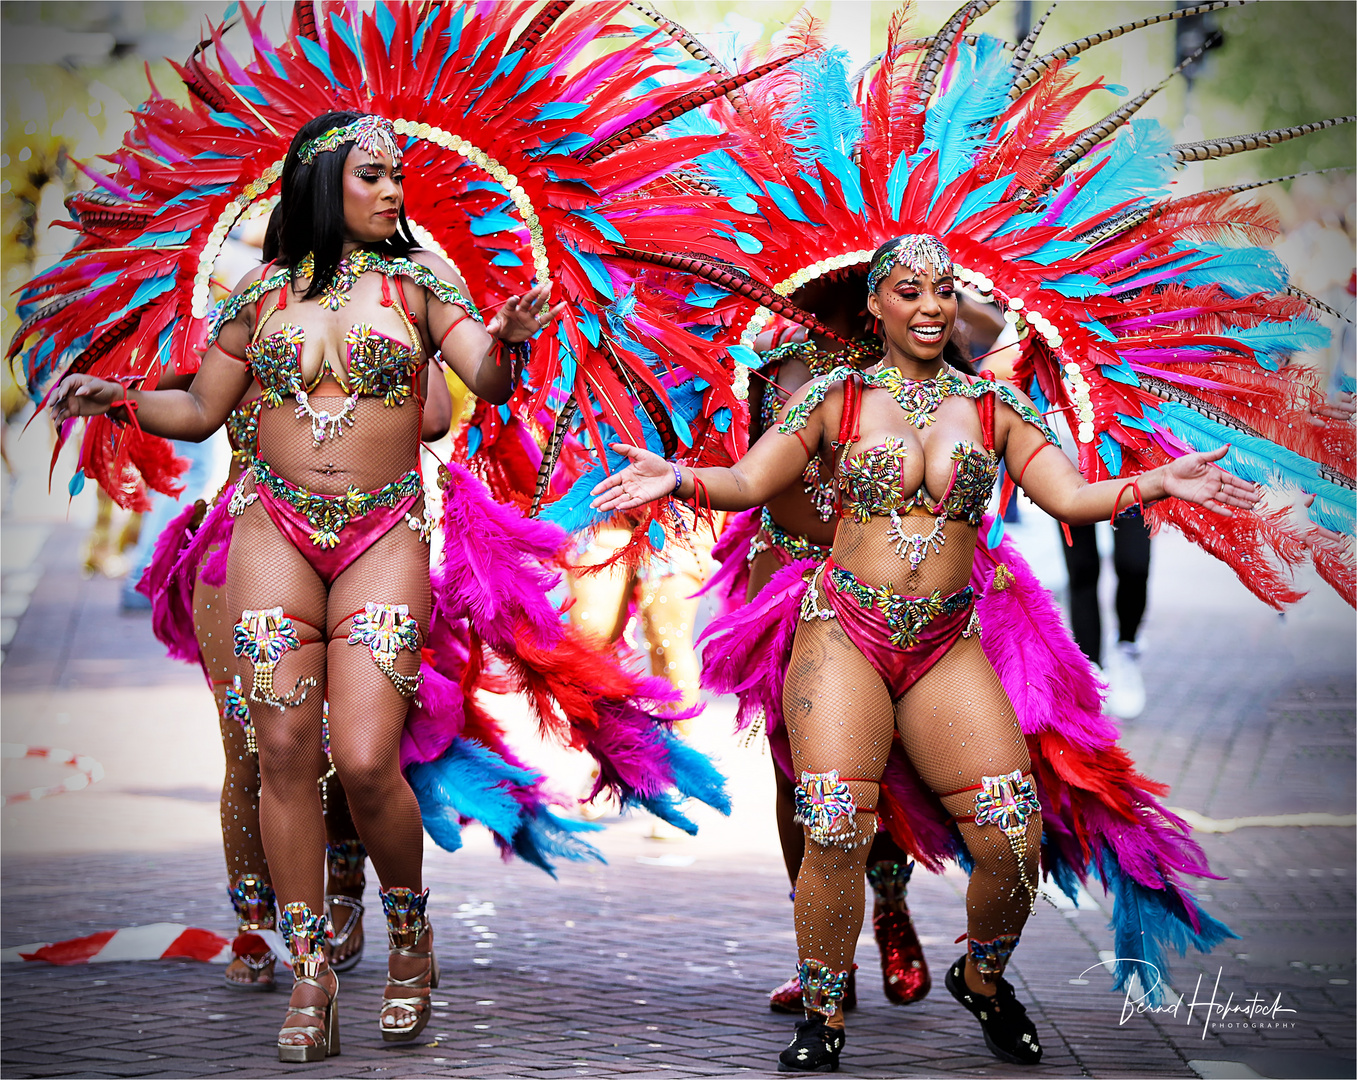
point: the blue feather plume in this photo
(1263, 462)
(1144, 922)
(471, 781)
(1136, 168)
(956, 126)
(824, 122)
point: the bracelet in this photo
(1134, 488)
(678, 476)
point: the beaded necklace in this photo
(918, 398)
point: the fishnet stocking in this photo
(956, 725)
(240, 787)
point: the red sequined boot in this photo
(904, 972)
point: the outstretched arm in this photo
(772, 463)
(1054, 484)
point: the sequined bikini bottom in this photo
(330, 531)
(901, 636)
(789, 546)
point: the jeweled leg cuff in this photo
(826, 807)
(991, 957)
(305, 933)
(386, 629)
(265, 636)
(253, 899)
(822, 990)
(406, 920)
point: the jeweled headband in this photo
(918, 251)
(371, 133)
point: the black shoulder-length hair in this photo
(953, 353)
(309, 217)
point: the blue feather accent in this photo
(318, 57)
(705, 295)
(785, 199)
(695, 775)
(1145, 922)
(386, 24)
(543, 834)
(231, 120)
(1093, 326)
(1110, 451)
(172, 238)
(1263, 462)
(505, 257)
(982, 198)
(250, 94)
(492, 221)
(202, 191)
(602, 224)
(1121, 373)
(655, 534)
(666, 808)
(1136, 168)
(1239, 271)
(824, 122)
(77, 483)
(346, 35)
(594, 269)
(560, 110)
(955, 128)
(417, 42)
(1076, 285)
(1276, 341)
(471, 781)
(995, 535)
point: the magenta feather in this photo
(747, 651)
(731, 552)
(171, 594)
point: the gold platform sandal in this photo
(403, 1018)
(305, 933)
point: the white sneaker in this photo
(1125, 686)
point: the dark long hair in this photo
(309, 217)
(953, 353)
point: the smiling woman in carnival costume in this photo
(1143, 316)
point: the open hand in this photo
(83, 395)
(522, 316)
(1194, 478)
(648, 477)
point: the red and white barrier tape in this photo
(88, 771)
(158, 941)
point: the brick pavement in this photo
(657, 964)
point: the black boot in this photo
(816, 1047)
(1009, 1035)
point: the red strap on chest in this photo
(852, 410)
(984, 405)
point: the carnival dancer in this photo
(914, 450)
(185, 586)
(329, 515)
(797, 527)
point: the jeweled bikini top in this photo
(872, 482)
(375, 365)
